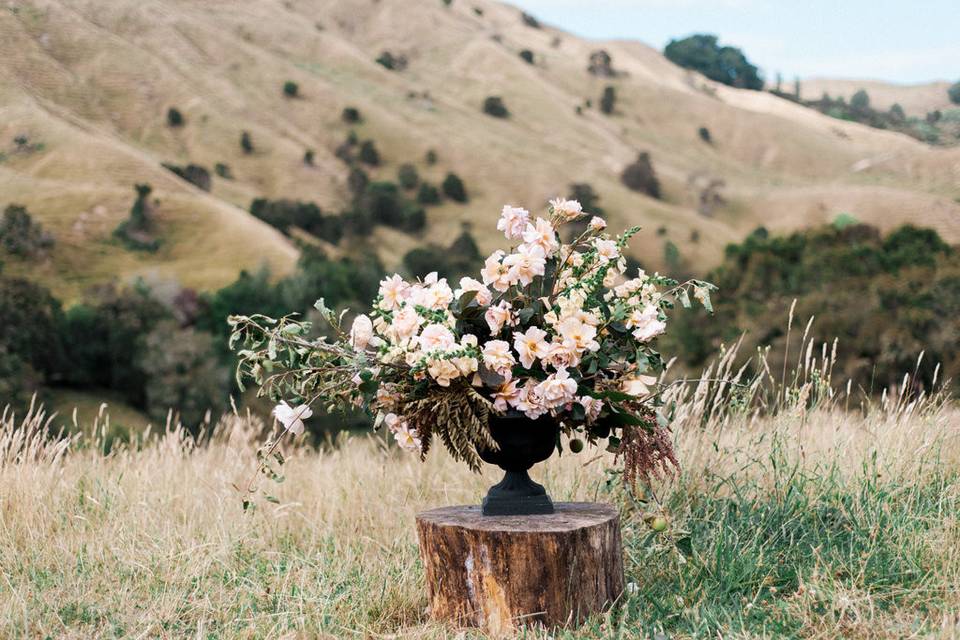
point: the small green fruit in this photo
(576, 445)
(659, 524)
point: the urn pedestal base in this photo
(500, 573)
(517, 495)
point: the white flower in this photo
(638, 385)
(498, 316)
(565, 209)
(597, 224)
(606, 250)
(562, 354)
(407, 438)
(578, 335)
(530, 345)
(361, 332)
(436, 337)
(513, 220)
(529, 401)
(495, 273)
(646, 323)
(592, 406)
(406, 322)
(507, 395)
(484, 296)
(523, 266)
(443, 371)
(393, 291)
(558, 389)
(542, 234)
(497, 357)
(292, 417)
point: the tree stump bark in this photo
(501, 572)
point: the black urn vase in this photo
(523, 443)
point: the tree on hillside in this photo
(407, 176)
(350, 115)
(246, 142)
(702, 53)
(608, 100)
(601, 64)
(494, 106)
(954, 92)
(454, 188)
(291, 89)
(20, 235)
(527, 56)
(369, 154)
(897, 113)
(174, 117)
(860, 101)
(640, 176)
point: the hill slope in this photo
(916, 99)
(92, 81)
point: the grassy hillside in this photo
(89, 84)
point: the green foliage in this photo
(284, 214)
(407, 176)
(671, 256)
(291, 89)
(181, 372)
(886, 299)
(137, 231)
(308, 157)
(174, 117)
(704, 134)
(860, 101)
(454, 188)
(192, 173)
(494, 106)
(608, 100)
(431, 157)
(351, 115)
(392, 62)
(530, 21)
(601, 64)
(640, 176)
(461, 258)
(589, 199)
(31, 318)
(385, 204)
(954, 92)
(844, 220)
(725, 64)
(428, 194)
(223, 170)
(526, 55)
(369, 154)
(246, 142)
(20, 235)
(897, 114)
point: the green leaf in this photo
(616, 396)
(272, 499)
(685, 546)
(684, 298)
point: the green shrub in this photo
(223, 170)
(351, 115)
(529, 20)
(454, 188)
(392, 62)
(174, 117)
(608, 100)
(369, 154)
(20, 235)
(407, 176)
(494, 106)
(283, 214)
(192, 173)
(860, 101)
(428, 194)
(954, 92)
(308, 157)
(601, 64)
(386, 205)
(246, 142)
(704, 134)
(137, 230)
(527, 56)
(727, 65)
(291, 89)
(431, 157)
(640, 176)
(461, 258)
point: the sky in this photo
(905, 41)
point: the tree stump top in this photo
(567, 516)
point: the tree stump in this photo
(500, 572)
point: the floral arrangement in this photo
(549, 328)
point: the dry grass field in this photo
(89, 84)
(800, 512)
